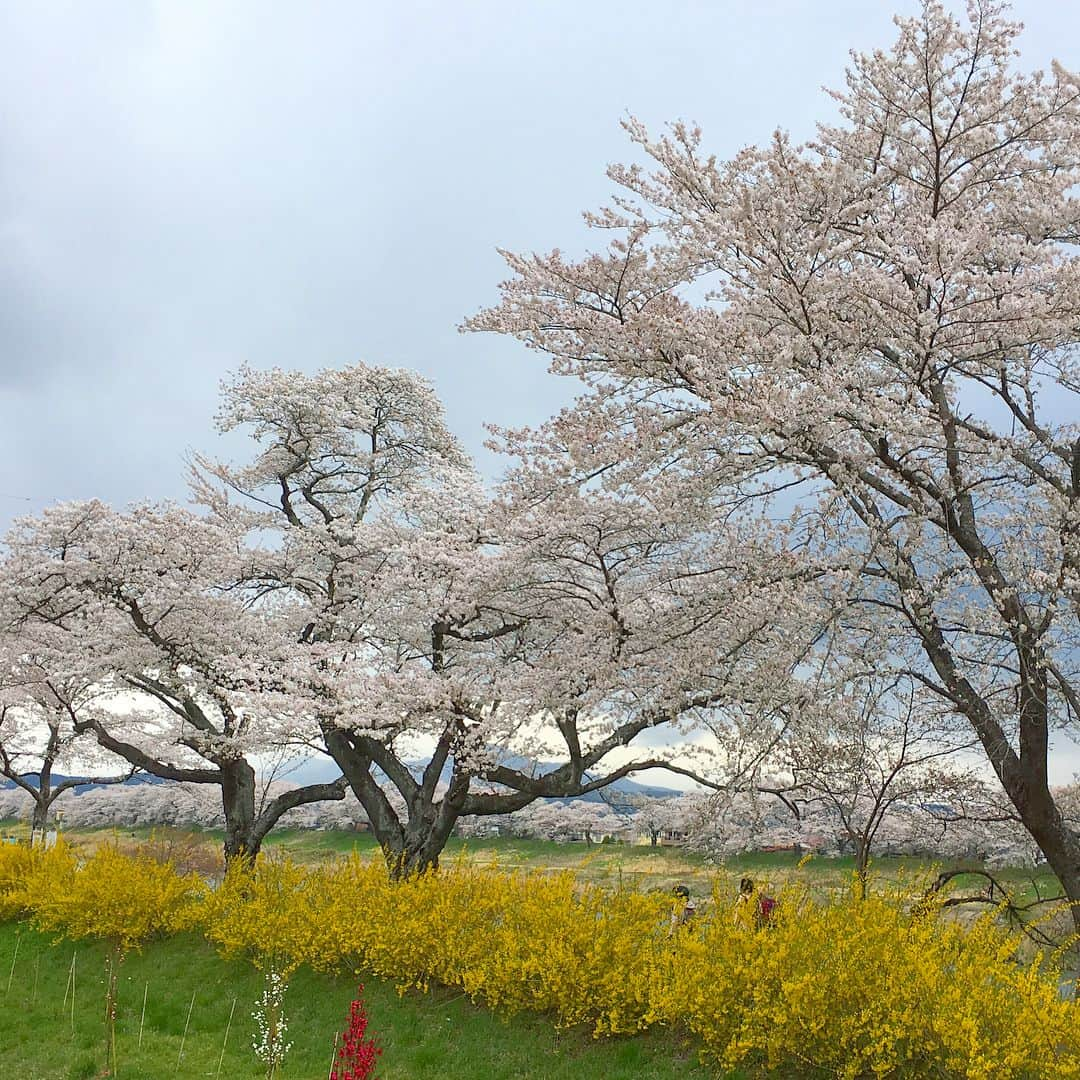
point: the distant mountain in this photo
(320, 770)
(317, 770)
(58, 778)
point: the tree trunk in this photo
(1023, 775)
(414, 858)
(1057, 841)
(422, 840)
(862, 863)
(40, 819)
(1025, 778)
(238, 803)
(43, 796)
(410, 845)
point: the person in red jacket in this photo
(753, 908)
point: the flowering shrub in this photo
(122, 899)
(271, 1025)
(273, 914)
(17, 862)
(843, 988)
(117, 898)
(513, 942)
(865, 989)
(848, 988)
(357, 1054)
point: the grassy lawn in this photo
(661, 867)
(434, 1035)
(604, 864)
(439, 1034)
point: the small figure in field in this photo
(753, 909)
(682, 910)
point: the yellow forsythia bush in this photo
(535, 941)
(865, 989)
(17, 861)
(846, 989)
(122, 899)
(274, 914)
(834, 989)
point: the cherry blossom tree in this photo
(1067, 797)
(882, 323)
(661, 819)
(40, 703)
(186, 806)
(733, 821)
(978, 822)
(547, 624)
(569, 819)
(168, 802)
(189, 681)
(353, 586)
(882, 753)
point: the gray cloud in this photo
(186, 186)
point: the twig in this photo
(221, 1058)
(998, 896)
(67, 985)
(14, 956)
(333, 1056)
(142, 1017)
(183, 1038)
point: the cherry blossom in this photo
(189, 681)
(544, 624)
(877, 332)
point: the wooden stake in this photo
(188, 1021)
(37, 966)
(67, 985)
(73, 955)
(221, 1057)
(113, 976)
(333, 1055)
(142, 1018)
(14, 956)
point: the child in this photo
(683, 910)
(753, 909)
(746, 905)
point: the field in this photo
(438, 1032)
(603, 864)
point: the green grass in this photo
(434, 1035)
(439, 1034)
(604, 864)
(653, 867)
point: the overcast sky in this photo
(187, 186)
(191, 185)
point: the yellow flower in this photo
(844, 987)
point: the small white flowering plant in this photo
(270, 1024)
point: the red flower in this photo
(357, 1054)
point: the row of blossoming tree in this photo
(351, 588)
(823, 471)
